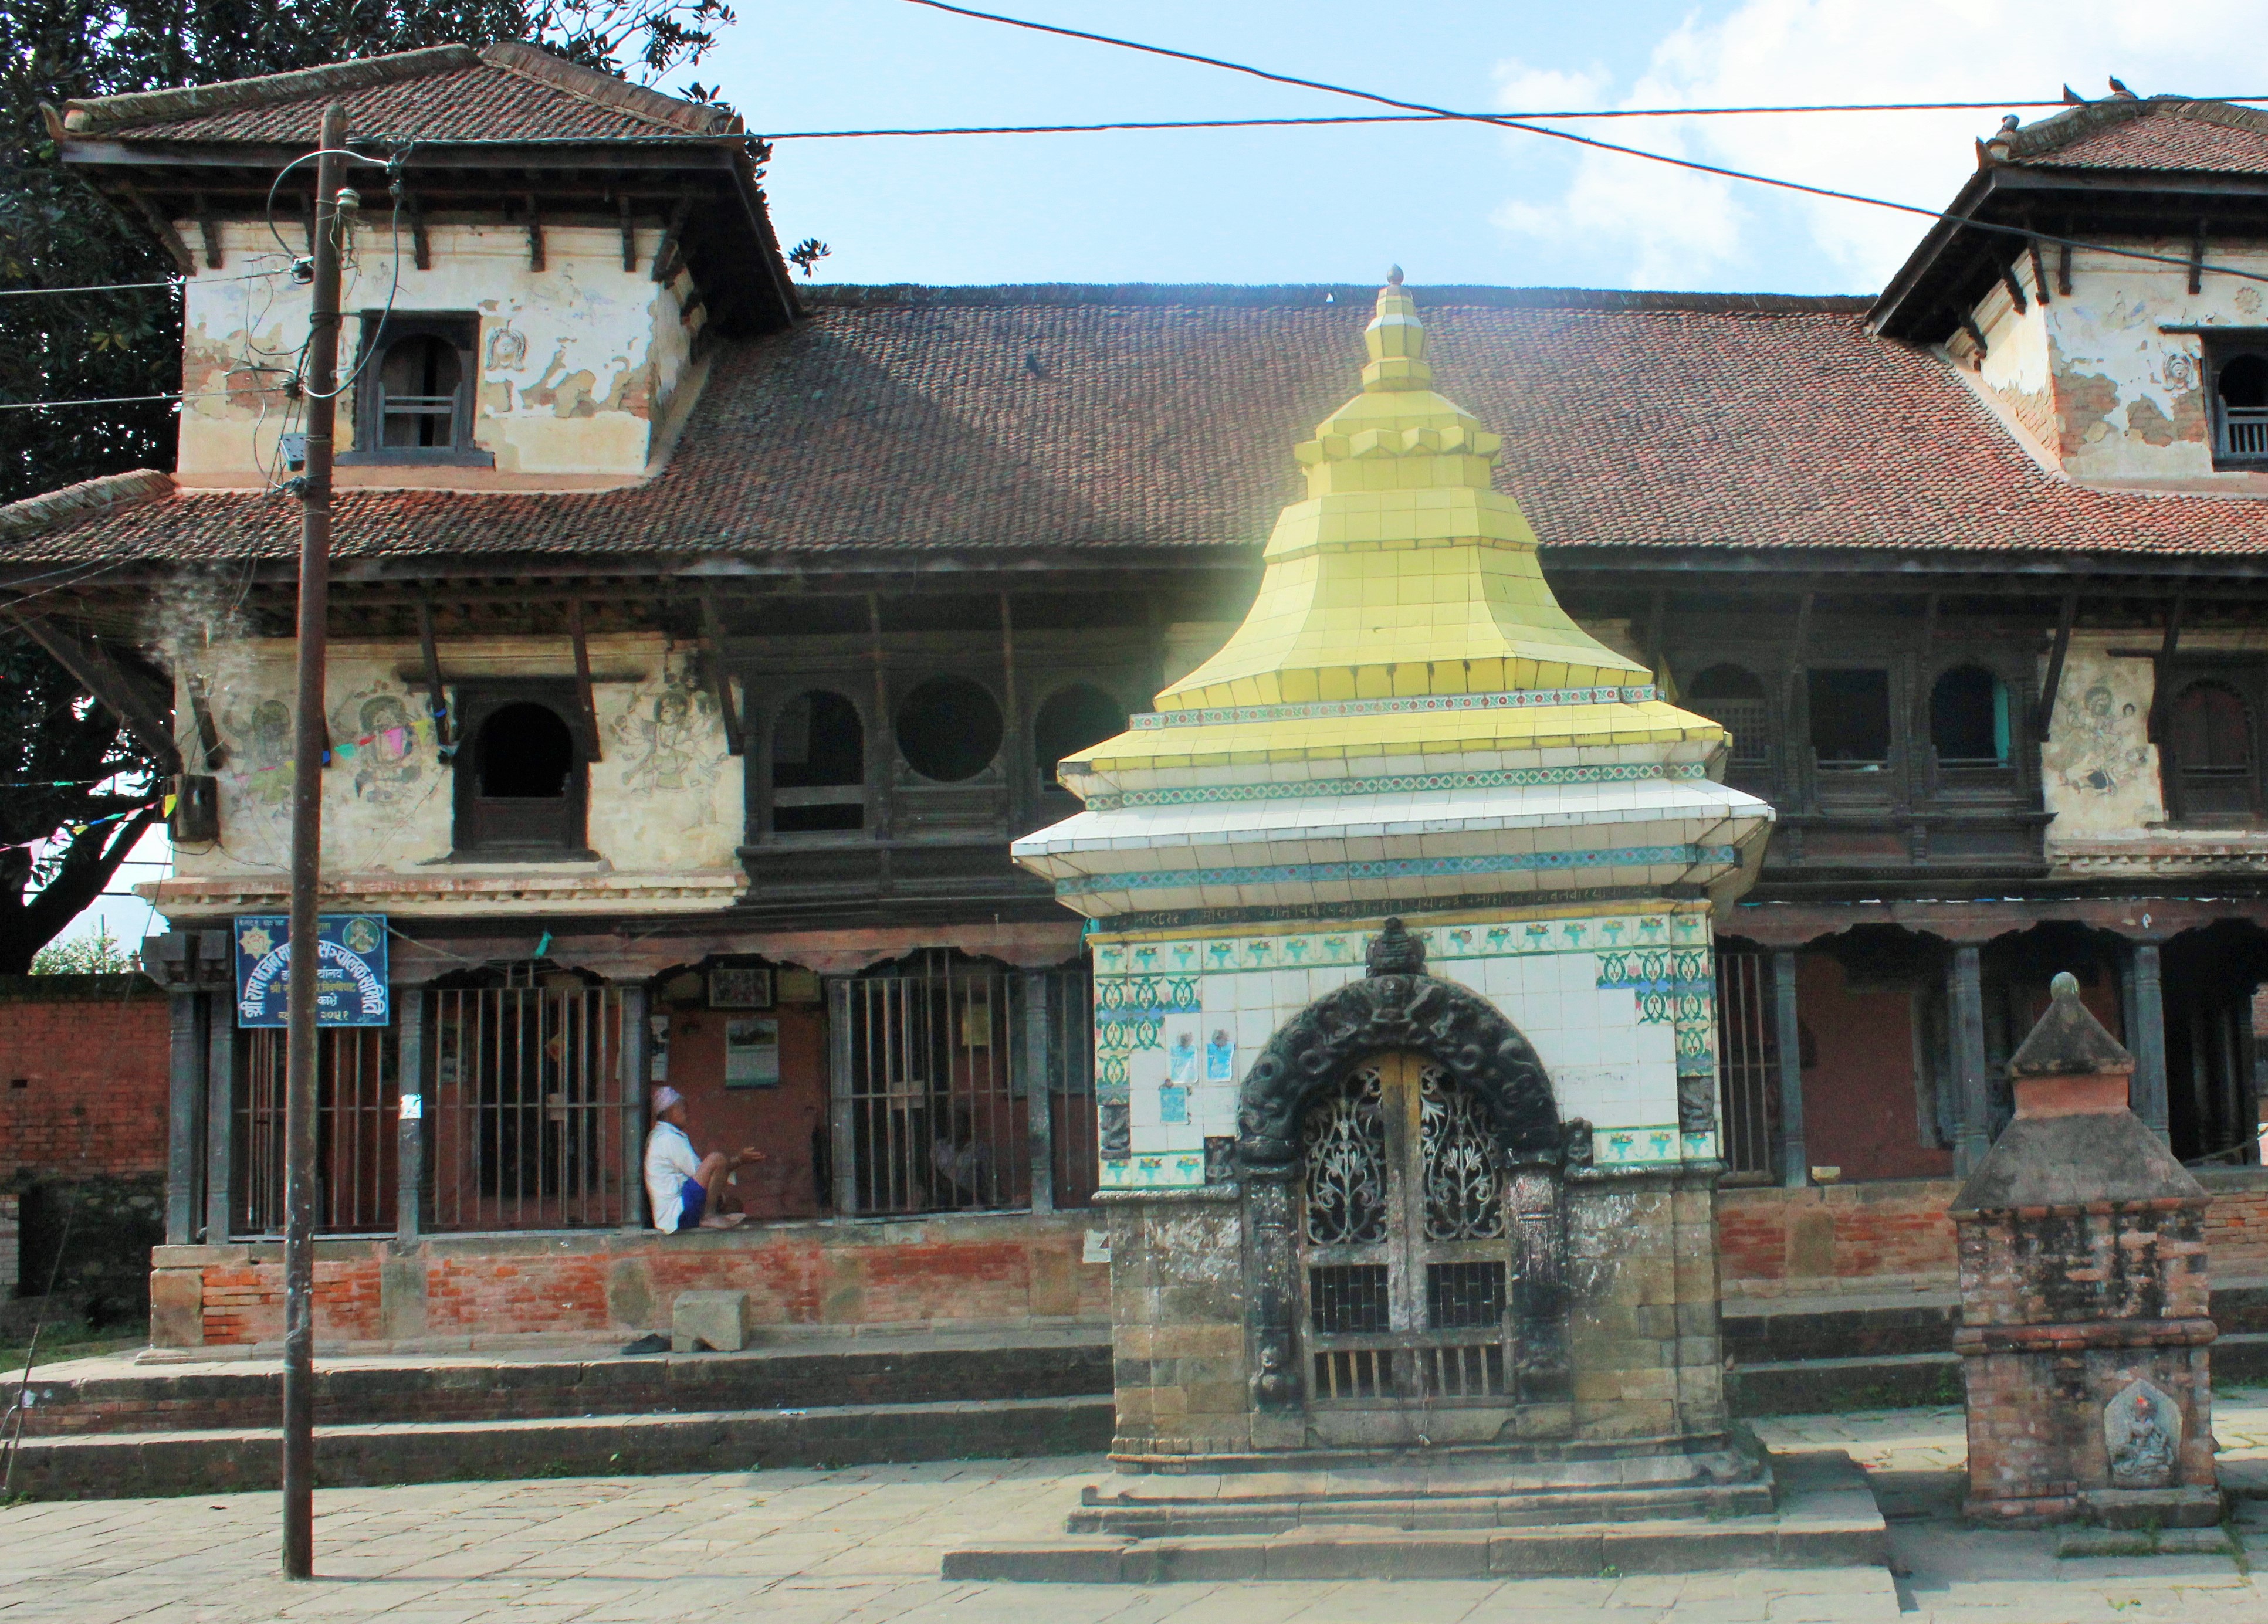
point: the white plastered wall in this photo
(576, 363)
(665, 796)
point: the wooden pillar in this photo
(185, 1076)
(1038, 1101)
(844, 1136)
(1968, 1002)
(409, 1133)
(638, 1072)
(2149, 1044)
(1795, 1157)
(220, 1112)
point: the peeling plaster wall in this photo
(576, 363)
(664, 797)
(2109, 396)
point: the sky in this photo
(1451, 203)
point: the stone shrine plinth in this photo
(1404, 1005)
(2085, 1301)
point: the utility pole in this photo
(319, 379)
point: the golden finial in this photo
(1394, 275)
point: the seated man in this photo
(681, 1186)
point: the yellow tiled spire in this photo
(1404, 572)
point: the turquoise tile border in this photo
(1636, 1147)
(1154, 976)
(1167, 1170)
(1398, 868)
(1308, 788)
(1512, 699)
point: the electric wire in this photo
(1506, 122)
(1427, 118)
(176, 283)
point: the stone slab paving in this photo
(862, 1547)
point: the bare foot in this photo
(724, 1219)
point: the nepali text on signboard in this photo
(349, 970)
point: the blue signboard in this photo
(349, 972)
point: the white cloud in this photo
(1773, 52)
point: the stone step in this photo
(1827, 1518)
(1894, 1381)
(109, 1396)
(1791, 1329)
(126, 1464)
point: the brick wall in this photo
(83, 1064)
(992, 1271)
(1859, 1240)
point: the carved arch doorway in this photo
(1406, 1249)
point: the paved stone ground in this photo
(862, 1547)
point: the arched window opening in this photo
(2213, 751)
(1732, 696)
(524, 752)
(1851, 719)
(1969, 718)
(949, 729)
(819, 765)
(519, 779)
(419, 393)
(1073, 718)
(2241, 405)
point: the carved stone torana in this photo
(1396, 1007)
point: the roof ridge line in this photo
(865, 296)
(95, 113)
(533, 62)
(44, 511)
(2039, 141)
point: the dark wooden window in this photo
(2240, 406)
(819, 765)
(1072, 718)
(520, 776)
(1735, 696)
(949, 728)
(415, 391)
(2214, 760)
(1969, 718)
(1850, 718)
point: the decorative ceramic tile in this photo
(1514, 698)
(1698, 1147)
(1397, 868)
(1511, 777)
(1177, 1170)
(1634, 1147)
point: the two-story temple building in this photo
(699, 641)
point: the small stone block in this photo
(718, 1320)
(2151, 1508)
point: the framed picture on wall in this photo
(741, 989)
(751, 1052)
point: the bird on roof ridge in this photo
(2072, 98)
(2118, 88)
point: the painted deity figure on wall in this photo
(373, 732)
(666, 728)
(2101, 743)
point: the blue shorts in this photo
(694, 1202)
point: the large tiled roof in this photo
(995, 422)
(2158, 133)
(503, 92)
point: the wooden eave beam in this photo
(629, 232)
(2008, 280)
(436, 697)
(92, 666)
(534, 234)
(672, 244)
(2165, 658)
(209, 228)
(421, 244)
(2054, 681)
(176, 250)
(720, 680)
(2196, 257)
(2039, 271)
(584, 697)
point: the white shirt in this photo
(669, 1163)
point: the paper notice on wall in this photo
(413, 1107)
(1098, 1247)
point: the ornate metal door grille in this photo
(1404, 1242)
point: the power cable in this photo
(1425, 118)
(1506, 122)
(133, 400)
(174, 282)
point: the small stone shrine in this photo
(2085, 1301)
(1412, 1222)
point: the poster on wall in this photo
(349, 970)
(751, 1052)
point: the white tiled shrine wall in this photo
(1617, 1004)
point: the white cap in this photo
(666, 1097)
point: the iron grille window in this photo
(1464, 1296)
(945, 1069)
(1349, 1299)
(357, 1105)
(527, 1123)
(1748, 1063)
